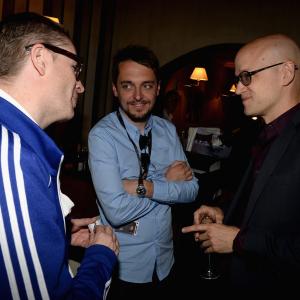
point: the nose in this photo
(79, 87)
(138, 94)
(239, 88)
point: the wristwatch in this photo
(140, 189)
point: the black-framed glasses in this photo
(246, 76)
(77, 69)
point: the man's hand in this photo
(214, 237)
(214, 213)
(80, 232)
(179, 171)
(102, 235)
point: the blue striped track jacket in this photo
(33, 242)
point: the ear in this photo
(39, 56)
(114, 89)
(288, 73)
(158, 89)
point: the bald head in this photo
(271, 49)
(269, 77)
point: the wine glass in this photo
(210, 269)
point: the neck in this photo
(139, 124)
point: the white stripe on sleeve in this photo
(26, 219)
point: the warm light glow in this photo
(199, 74)
(254, 118)
(233, 88)
(56, 20)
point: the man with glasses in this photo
(39, 85)
(139, 170)
(261, 227)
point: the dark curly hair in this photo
(139, 54)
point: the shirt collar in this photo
(273, 129)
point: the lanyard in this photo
(143, 170)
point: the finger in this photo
(83, 221)
(186, 167)
(108, 230)
(189, 177)
(100, 228)
(193, 228)
(219, 219)
(117, 245)
(177, 162)
(114, 238)
(92, 235)
(197, 217)
(189, 171)
(209, 250)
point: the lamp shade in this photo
(54, 19)
(199, 74)
(233, 88)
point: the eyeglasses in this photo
(77, 69)
(246, 76)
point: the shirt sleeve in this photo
(119, 206)
(175, 191)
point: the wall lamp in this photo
(199, 74)
(233, 88)
(54, 19)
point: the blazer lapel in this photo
(275, 153)
(239, 192)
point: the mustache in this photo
(134, 102)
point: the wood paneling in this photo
(69, 16)
(20, 5)
(1, 7)
(91, 79)
(102, 103)
(36, 6)
(8, 8)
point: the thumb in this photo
(83, 221)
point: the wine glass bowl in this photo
(210, 270)
(207, 220)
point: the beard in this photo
(136, 117)
(141, 118)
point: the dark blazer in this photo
(270, 256)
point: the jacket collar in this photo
(41, 144)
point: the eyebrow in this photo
(143, 82)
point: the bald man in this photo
(261, 228)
